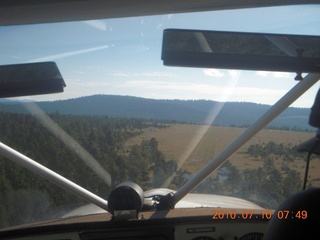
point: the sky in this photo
(123, 56)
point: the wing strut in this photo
(272, 113)
(51, 176)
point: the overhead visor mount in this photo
(30, 79)
(237, 50)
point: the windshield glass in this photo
(124, 116)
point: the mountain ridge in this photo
(189, 111)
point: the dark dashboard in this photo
(187, 224)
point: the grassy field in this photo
(195, 145)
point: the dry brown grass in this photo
(195, 145)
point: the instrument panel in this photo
(176, 224)
(220, 231)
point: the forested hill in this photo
(191, 111)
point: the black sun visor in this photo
(236, 50)
(30, 79)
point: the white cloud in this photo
(157, 74)
(263, 73)
(144, 74)
(95, 84)
(120, 74)
(273, 74)
(234, 73)
(243, 91)
(186, 90)
(281, 74)
(76, 82)
(211, 72)
(240, 93)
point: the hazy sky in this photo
(122, 56)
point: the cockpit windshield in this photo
(124, 116)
